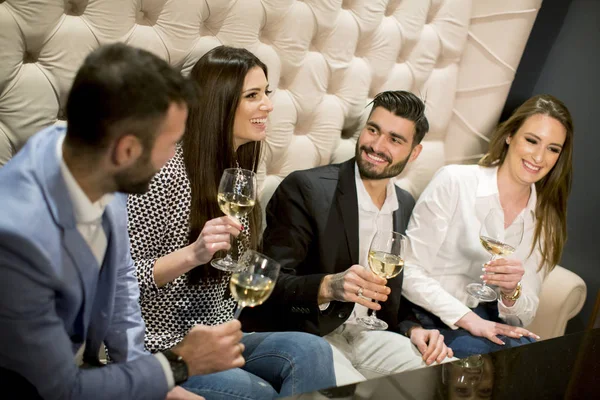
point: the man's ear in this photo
(415, 152)
(127, 150)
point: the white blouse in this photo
(445, 253)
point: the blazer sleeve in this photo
(35, 345)
(125, 336)
(289, 233)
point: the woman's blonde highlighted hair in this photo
(554, 188)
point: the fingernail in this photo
(502, 343)
(481, 276)
(483, 269)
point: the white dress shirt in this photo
(88, 217)
(370, 220)
(445, 253)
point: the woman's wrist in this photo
(189, 258)
(512, 295)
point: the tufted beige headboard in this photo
(326, 59)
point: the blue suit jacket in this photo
(53, 295)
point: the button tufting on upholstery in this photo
(144, 18)
(326, 59)
(75, 7)
(29, 57)
(391, 7)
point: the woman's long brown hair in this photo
(208, 143)
(553, 189)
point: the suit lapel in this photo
(398, 216)
(105, 294)
(60, 205)
(347, 204)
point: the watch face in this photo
(180, 372)
(178, 366)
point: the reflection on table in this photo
(567, 367)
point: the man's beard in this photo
(136, 180)
(364, 168)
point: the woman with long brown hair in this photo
(176, 228)
(526, 173)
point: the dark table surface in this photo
(567, 367)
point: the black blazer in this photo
(312, 230)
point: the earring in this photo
(507, 140)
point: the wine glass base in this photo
(226, 265)
(371, 323)
(482, 293)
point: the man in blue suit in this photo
(67, 280)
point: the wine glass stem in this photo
(238, 311)
(228, 255)
(374, 315)
(491, 259)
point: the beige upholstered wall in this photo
(326, 58)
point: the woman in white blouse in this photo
(526, 172)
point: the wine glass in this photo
(236, 197)
(253, 283)
(497, 241)
(464, 373)
(386, 259)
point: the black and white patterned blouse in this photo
(159, 225)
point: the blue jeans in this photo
(278, 364)
(461, 341)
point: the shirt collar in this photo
(488, 186)
(365, 202)
(85, 211)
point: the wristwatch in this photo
(178, 366)
(516, 294)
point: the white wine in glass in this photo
(385, 265)
(499, 242)
(235, 205)
(236, 198)
(253, 285)
(386, 260)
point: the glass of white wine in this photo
(386, 259)
(236, 198)
(499, 242)
(253, 283)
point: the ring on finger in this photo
(359, 292)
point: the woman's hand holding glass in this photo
(498, 240)
(504, 273)
(215, 236)
(236, 198)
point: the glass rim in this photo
(242, 170)
(252, 251)
(402, 235)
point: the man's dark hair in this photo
(406, 105)
(121, 90)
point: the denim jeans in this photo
(461, 341)
(278, 364)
